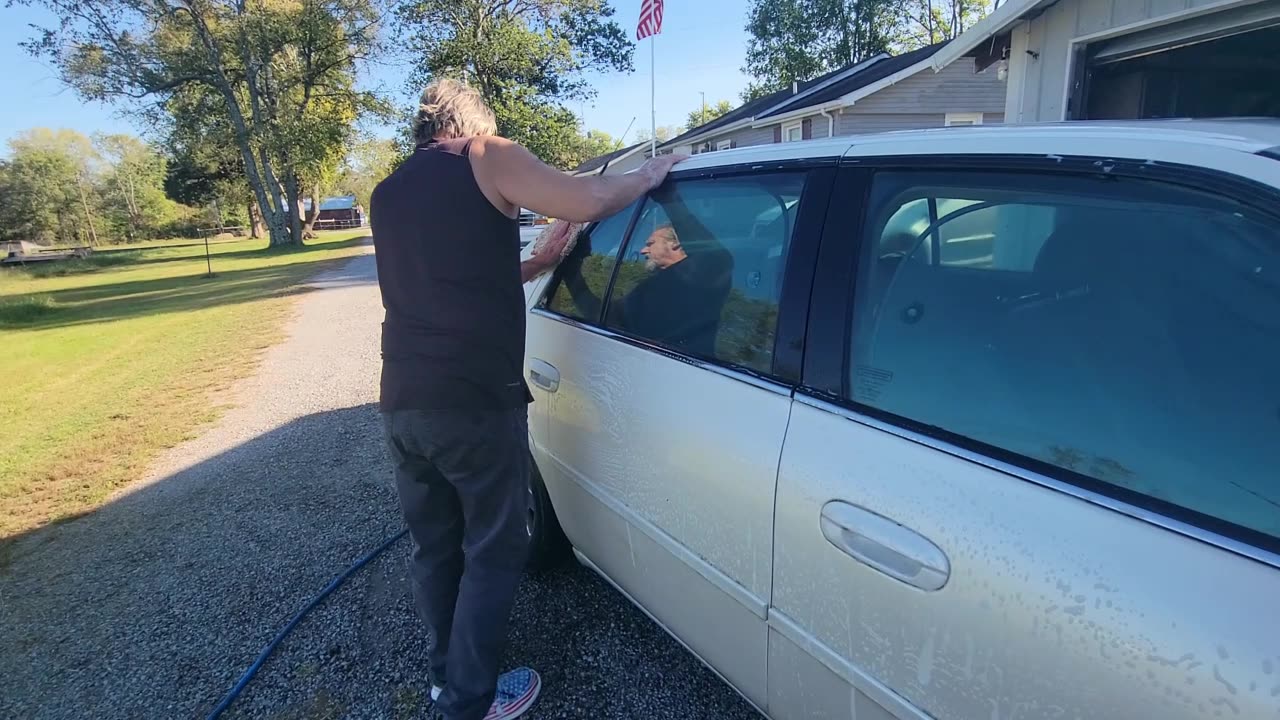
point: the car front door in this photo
(670, 402)
(1033, 472)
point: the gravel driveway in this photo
(153, 605)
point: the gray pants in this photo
(463, 480)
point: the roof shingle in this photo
(776, 103)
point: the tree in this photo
(48, 188)
(703, 115)
(664, 133)
(793, 40)
(594, 144)
(132, 189)
(526, 57)
(368, 161)
(282, 74)
(60, 187)
(925, 22)
(205, 166)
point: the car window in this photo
(1124, 330)
(702, 271)
(583, 278)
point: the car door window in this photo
(1123, 330)
(583, 278)
(702, 271)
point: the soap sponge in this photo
(540, 242)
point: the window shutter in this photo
(806, 128)
(777, 133)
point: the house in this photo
(619, 161)
(885, 92)
(337, 213)
(1128, 59)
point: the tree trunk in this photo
(257, 228)
(294, 202)
(88, 216)
(309, 227)
(276, 229)
(236, 115)
(278, 214)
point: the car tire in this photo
(548, 546)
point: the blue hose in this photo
(231, 696)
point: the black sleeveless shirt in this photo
(449, 270)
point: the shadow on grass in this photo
(256, 252)
(70, 266)
(117, 301)
(124, 255)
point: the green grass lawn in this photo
(110, 359)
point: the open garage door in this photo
(1224, 64)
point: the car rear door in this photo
(1032, 472)
(674, 370)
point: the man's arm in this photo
(548, 255)
(533, 267)
(519, 180)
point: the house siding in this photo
(862, 123)
(957, 88)
(745, 137)
(919, 101)
(1044, 79)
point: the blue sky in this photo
(701, 48)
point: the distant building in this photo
(1126, 59)
(883, 93)
(337, 213)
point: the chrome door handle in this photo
(544, 375)
(874, 540)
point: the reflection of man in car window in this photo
(681, 292)
(680, 301)
(662, 249)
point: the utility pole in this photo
(704, 106)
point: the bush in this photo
(179, 221)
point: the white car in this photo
(952, 424)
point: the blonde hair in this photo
(452, 109)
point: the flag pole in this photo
(653, 89)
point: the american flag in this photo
(650, 19)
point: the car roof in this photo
(1113, 138)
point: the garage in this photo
(1128, 59)
(1226, 64)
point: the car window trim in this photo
(794, 302)
(719, 367)
(753, 168)
(1256, 194)
(825, 382)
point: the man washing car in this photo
(453, 395)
